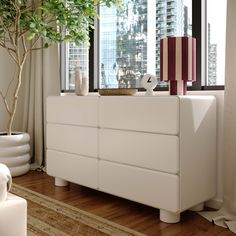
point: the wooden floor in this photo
(139, 217)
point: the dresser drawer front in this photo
(152, 188)
(74, 110)
(140, 113)
(73, 168)
(146, 150)
(73, 139)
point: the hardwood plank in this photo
(136, 216)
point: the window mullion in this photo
(197, 33)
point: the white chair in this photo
(13, 216)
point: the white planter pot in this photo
(14, 152)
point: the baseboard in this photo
(214, 203)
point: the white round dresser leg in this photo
(198, 207)
(60, 182)
(169, 217)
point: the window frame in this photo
(200, 33)
(199, 8)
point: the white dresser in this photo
(158, 150)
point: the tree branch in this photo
(9, 32)
(17, 22)
(5, 103)
(34, 43)
(24, 44)
(12, 56)
(15, 97)
(23, 33)
(32, 6)
(23, 59)
(2, 44)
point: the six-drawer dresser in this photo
(155, 150)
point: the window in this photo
(127, 44)
(216, 32)
(72, 57)
(129, 40)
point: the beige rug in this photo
(47, 216)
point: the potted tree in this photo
(23, 23)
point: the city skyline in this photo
(212, 60)
(123, 50)
(124, 42)
(130, 39)
(217, 20)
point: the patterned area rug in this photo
(47, 217)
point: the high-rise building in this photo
(124, 40)
(108, 50)
(212, 60)
(123, 44)
(169, 22)
(187, 24)
(78, 58)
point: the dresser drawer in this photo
(152, 188)
(146, 150)
(73, 168)
(73, 139)
(74, 110)
(139, 113)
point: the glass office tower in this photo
(124, 38)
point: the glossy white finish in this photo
(146, 150)
(73, 139)
(198, 207)
(197, 150)
(149, 82)
(153, 188)
(13, 216)
(17, 160)
(148, 114)
(60, 182)
(5, 182)
(159, 150)
(219, 95)
(169, 217)
(73, 110)
(14, 152)
(73, 168)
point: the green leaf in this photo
(67, 38)
(31, 36)
(32, 25)
(40, 8)
(50, 19)
(43, 33)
